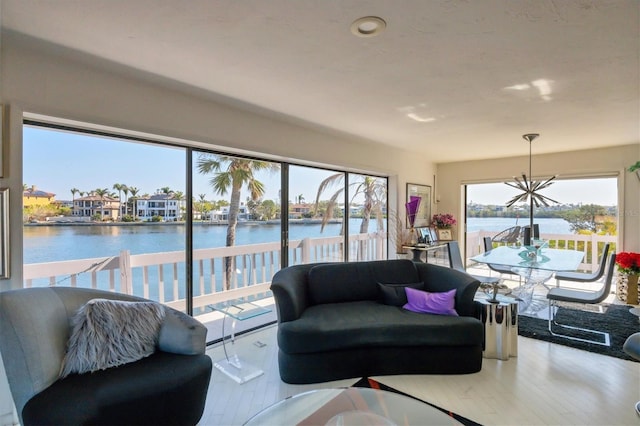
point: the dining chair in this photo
(488, 245)
(560, 294)
(507, 236)
(455, 262)
(582, 276)
(526, 233)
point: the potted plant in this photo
(443, 223)
(635, 168)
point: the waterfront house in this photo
(440, 97)
(92, 205)
(36, 197)
(298, 211)
(165, 206)
(223, 214)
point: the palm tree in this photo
(119, 187)
(125, 191)
(134, 193)
(102, 193)
(238, 172)
(203, 206)
(373, 190)
(166, 191)
(74, 191)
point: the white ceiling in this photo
(454, 79)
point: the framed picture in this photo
(423, 216)
(444, 234)
(4, 233)
(428, 235)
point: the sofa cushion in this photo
(442, 303)
(395, 294)
(339, 326)
(107, 333)
(353, 281)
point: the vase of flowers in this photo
(443, 223)
(443, 220)
(628, 265)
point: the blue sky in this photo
(57, 161)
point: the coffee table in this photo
(350, 406)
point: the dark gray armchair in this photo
(167, 387)
(632, 347)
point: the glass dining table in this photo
(534, 264)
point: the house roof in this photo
(38, 193)
(97, 198)
(452, 80)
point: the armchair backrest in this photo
(34, 328)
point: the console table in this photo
(232, 365)
(418, 249)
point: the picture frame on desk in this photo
(444, 234)
(428, 235)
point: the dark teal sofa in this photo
(333, 324)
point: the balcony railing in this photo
(160, 276)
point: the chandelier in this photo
(530, 188)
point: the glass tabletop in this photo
(528, 257)
(240, 309)
(350, 406)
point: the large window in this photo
(188, 228)
(585, 216)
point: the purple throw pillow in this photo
(431, 303)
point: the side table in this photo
(500, 321)
(232, 365)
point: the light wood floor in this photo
(546, 384)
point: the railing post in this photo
(126, 281)
(379, 244)
(305, 250)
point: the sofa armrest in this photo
(181, 334)
(439, 278)
(290, 291)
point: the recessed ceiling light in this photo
(368, 26)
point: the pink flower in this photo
(443, 220)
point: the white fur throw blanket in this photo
(107, 333)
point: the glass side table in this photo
(232, 365)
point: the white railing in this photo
(157, 276)
(584, 243)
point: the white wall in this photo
(605, 161)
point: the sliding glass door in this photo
(189, 228)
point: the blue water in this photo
(547, 226)
(59, 242)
